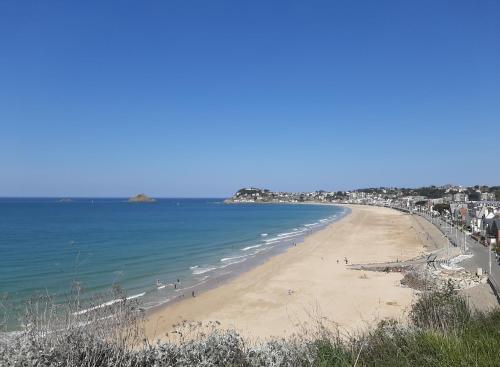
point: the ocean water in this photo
(46, 245)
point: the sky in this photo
(185, 98)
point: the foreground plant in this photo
(441, 331)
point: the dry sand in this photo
(306, 283)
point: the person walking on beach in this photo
(345, 259)
(193, 293)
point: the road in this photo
(481, 258)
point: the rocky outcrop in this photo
(141, 198)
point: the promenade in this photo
(482, 257)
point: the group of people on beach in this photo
(160, 285)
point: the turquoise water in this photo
(45, 245)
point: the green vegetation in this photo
(474, 196)
(431, 192)
(441, 208)
(496, 249)
(496, 190)
(441, 331)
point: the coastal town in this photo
(474, 209)
(468, 219)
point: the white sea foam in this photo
(287, 234)
(232, 263)
(225, 259)
(109, 303)
(311, 224)
(273, 240)
(264, 234)
(194, 267)
(199, 271)
(284, 236)
(250, 247)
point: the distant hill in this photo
(256, 195)
(141, 198)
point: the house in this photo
(448, 198)
(460, 197)
(458, 211)
(487, 196)
(477, 219)
(494, 231)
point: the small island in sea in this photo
(141, 198)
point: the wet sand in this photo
(306, 283)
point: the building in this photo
(487, 196)
(494, 231)
(460, 197)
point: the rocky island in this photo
(141, 198)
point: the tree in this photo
(475, 196)
(441, 208)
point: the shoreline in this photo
(206, 271)
(222, 279)
(273, 299)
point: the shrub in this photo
(440, 310)
(442, 332)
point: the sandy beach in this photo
(311, 281)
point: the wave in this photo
(225, 259)
(264, 234)
(244, 258)
(284, 237)
(109, 303)
(199, 271)
(311, 224)
(194, 267)
(286, 234)
(268, 242)
(250, 247)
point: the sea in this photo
(156, 252)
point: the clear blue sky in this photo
(200, 98)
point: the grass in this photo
(441, 331)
